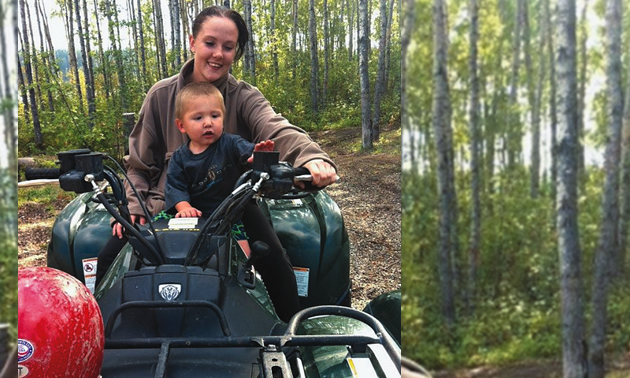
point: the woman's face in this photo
(214, 49)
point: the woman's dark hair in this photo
(220, 11)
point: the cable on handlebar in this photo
(130, 228)
(135, 192)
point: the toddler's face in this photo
(202, 120)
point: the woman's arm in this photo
(294, 144)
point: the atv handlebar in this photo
(81, 169)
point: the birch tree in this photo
(312, 37)
(537, 105)
(553, 115)
(582, 90)
(89, 85)
(326, 55)
(74, 66)
(512, 143)
(571, 286)
(364, 41)
(143, 58)
(474, 136)
(7, 90)
(606, 255)
(46, 58)
(29, 80)
(379, 87)
(101, 53)
(441, 111)
(405, 39)
(624, 187)
(250, 63)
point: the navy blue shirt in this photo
(204, 180)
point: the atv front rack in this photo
(272, 358)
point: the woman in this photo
(218, 39)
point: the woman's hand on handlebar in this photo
(323, 173)
(118, 229)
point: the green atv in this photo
(186, 302)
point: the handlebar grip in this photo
(301, 171)
(302, 174)
(42, 173)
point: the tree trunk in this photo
(294, 39)
(89, 89)
(274, 42)
(607, 250)
(250, 62)
(114, 37)
(326, 55)
(312, 38)
(553, 115)
(159, 39)
(364, 41)
(571, 287)
(104, 62)
(184, 8)
(405, 39)
(388, 42)
(474, 135)
(74, 67)
(143, 57)
(89, 62)
(513, 144)
(379, 87)
(134, 35)
(351, 13)
(581, 95)
(535, 153)
(624, 189)
(175, 33)
(51, 49)
(9, 119)
(35, 57)
(39, 143)
(441, 110)
(46, 58)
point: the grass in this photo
(389, 142)
(47, 196)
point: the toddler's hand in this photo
(267, 145)
(189, 212)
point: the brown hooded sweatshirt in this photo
(248, 114)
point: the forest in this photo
(516, 183)
(300, 55)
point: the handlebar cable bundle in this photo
(224, 215)
(121, 220)
(135, 192)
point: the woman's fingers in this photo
(118, 229)
(323, 172)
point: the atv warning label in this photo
(182, 223)
(301, 276)
(89, 272)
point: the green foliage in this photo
(517, 305)
(65, 123)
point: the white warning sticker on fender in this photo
(89, 272)
(301, 277)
